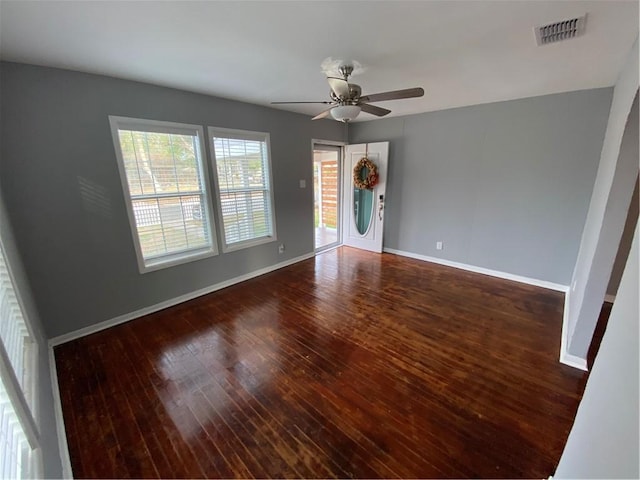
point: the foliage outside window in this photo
(243, 176)
(167, 193)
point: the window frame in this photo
(158, 126)
(219, 132)
(26, 411)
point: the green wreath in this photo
(372, 176)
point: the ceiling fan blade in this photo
(284, 103)
(372, 109)
(323, 114)
(394, 95)
(339, 86)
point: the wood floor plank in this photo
(351, 364)
(286, 409)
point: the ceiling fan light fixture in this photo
(348, 100)
(345, 113)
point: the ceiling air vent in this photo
(559, 31)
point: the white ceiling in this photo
(460, 52)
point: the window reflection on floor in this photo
(198, 374)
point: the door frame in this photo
(340, 146)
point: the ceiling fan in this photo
(347, 100)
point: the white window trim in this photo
(242, 135)
(27, 415)
(19, 403)
(170, 260)
(33, 405)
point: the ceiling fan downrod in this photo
(345, 71)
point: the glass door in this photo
(326, 192)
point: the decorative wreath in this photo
(372, 176)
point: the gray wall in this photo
(625, 242)
(613, 221)
(46, 421)
(592, 267)
(505, 186)
(603, 442)
(80, 259)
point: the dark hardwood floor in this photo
(601, 326)
(351, 364)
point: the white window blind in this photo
(16, 337)
(17, 458)
(19, 454)
(167, 190)
(242, 168)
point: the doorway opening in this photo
(616, 274)
(326, 194)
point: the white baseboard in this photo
(573, 361)
(485, 271)
(67, 337)
(65, 459)
(609, 298)
(565, 357)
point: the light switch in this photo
(303, 184)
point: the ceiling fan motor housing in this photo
(354, 95)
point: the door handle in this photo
(380, 206)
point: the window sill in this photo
(167, 261)
(248, 244)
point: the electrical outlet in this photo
(281, 248)
(438, 245)
(303, 184)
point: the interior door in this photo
(363, 209)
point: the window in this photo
(166, 190)
(243, 177)
(19, 438)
